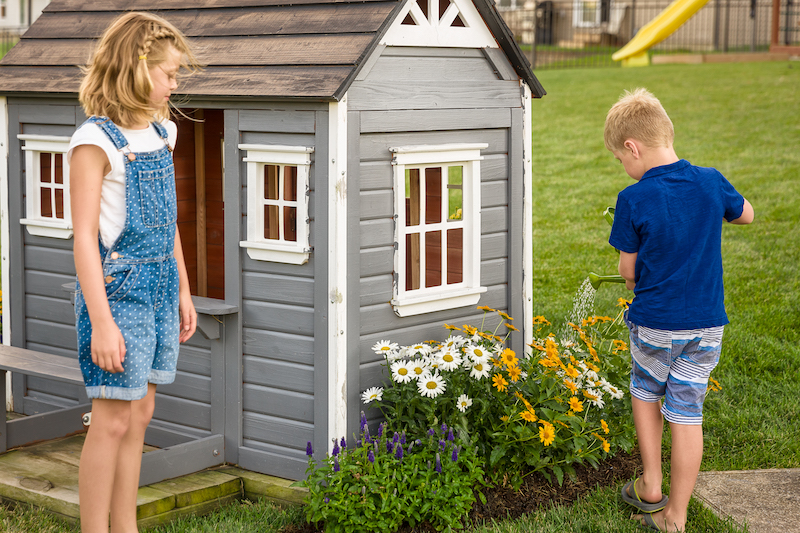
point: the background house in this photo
(361, 172)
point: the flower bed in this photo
(500, 416)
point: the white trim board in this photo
(5, 236)
(431, 31)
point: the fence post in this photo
(633, 18)
(727, 25)
(717, 9)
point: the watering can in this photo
(595, 279)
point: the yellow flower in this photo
(547, 433)
(537, 346)
(504, 315)
(604, 425)
(541, 320)
(623, 303)
(528, 416)
(511, 327)
(499, 382)
(469, 330)
(575, 404)
(592, 366)
(571, 386)
(606, 446)
(452, 328)
(575, 327)
(572, 372)
(551, 348)
(713, 385)
(509, 357)
(486, 308)
(548, 363)
(524, 401)
(589, 396)
(562, 423)
(514, 373)
(504, 418)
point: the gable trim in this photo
(433, 31)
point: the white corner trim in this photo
(337, 270)
(430, 31)
(527, 215)
(437, 302)
(5, 235)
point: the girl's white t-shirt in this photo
(113, 209)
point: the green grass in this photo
(740, 118)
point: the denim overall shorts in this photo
(141, 277)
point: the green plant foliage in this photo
(383, 482)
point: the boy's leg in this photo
(129, 463)
(649, 424)
(99, 459)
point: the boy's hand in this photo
(188, 316)
(108, 347)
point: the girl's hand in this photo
(108, 347)
(188, 316)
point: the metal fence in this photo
(8, 38)
(573, 33)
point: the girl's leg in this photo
(129, 463)
(99, 458)
(649, 424)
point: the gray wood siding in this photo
(457, 97)
(278, 318)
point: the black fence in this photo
(8, 38)
(576, 33)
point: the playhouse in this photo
(347, 172)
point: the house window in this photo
(277, 203)
(47, 209)
(437, 230)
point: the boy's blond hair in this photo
(638, 115)
(117, 80)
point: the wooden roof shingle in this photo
(268, 48)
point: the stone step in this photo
(46, 475)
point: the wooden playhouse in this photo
(362, 171)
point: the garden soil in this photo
(536, 492)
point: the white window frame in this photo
(36, 224)
(445, 296)
(276, 250)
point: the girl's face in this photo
(164, 78)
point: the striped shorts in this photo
(674, 365)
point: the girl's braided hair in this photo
(117, 80)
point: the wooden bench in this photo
(44, 426)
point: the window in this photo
(277, 203)
(437, 230)
(47, 210)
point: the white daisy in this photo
(596, 398)
(385, 347)
(454, 341)
(613, 391)
(417, 368)
(400, 372)
(448, 360)
(373, 393)
(463, 402)
(480, 370)
(591, 375)
(419, 349)
(431, 385)
(478, 354)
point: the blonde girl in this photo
(133, 304)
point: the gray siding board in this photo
(47, 283)
(280, 139)
(189, 386)
(376, 146)
(410, 70)
(375, 232)
(277, 464)
(182, 412)
(49, 260)
(277, 288)
(494, 246)
(50, 309)
(283, 121)
(494, 272)
(53, 388)
(279, 374)
(55, 350)
(493, 193)
(277, 431)
(278, 345)
(281, 269)
(377, 204)
(375, 261)
(277, 403)
(375, 290)
(48, 129)
(377, 95)
(494, 167)
(279, 317)
(47, 114)
(424, 51)
(194, 360)
(48, 242)
(50, 334)
(494, 219)
(433, 120)
(499, 62)
(375, 175)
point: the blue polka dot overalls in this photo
(141, 277)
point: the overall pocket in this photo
(157, 195)
(119, 279)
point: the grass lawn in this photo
(740, 118)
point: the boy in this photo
(667, 227)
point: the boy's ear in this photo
(632, 146)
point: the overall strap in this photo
(162, 132)
(111, 131)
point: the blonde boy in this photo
(667, 227)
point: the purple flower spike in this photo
(442, 444)
(309, 449)
(399, 452)
(336, 464)
(403, 438)
(455, 454)
(389, 446)
(450, 436)
(344, 443)
(380, 429)
(371, 457)
(327, 500)
(396, 437)
(363, 421)
(431, 432)
(336, 449)
(438, 466)
(444, 427)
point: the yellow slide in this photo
(634, 53)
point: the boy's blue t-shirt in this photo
(672, 218)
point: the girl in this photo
(133, 305)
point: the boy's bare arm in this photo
(747, 214)
(627, 268)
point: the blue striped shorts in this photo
(674, 365)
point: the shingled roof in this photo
(267, 48)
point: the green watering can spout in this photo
(596, 280)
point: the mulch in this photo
(535, 493)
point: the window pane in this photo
(46, 202)
(412, 261)
(271, 224)
(44, 165)
(433, 258)
(290, 183)
(455, 255)
(412, 197)
(433, 195)
(59, 203)
(271, 173)
(455, 193)
(290, 224)
(59, 168)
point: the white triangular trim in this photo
(440, 33)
